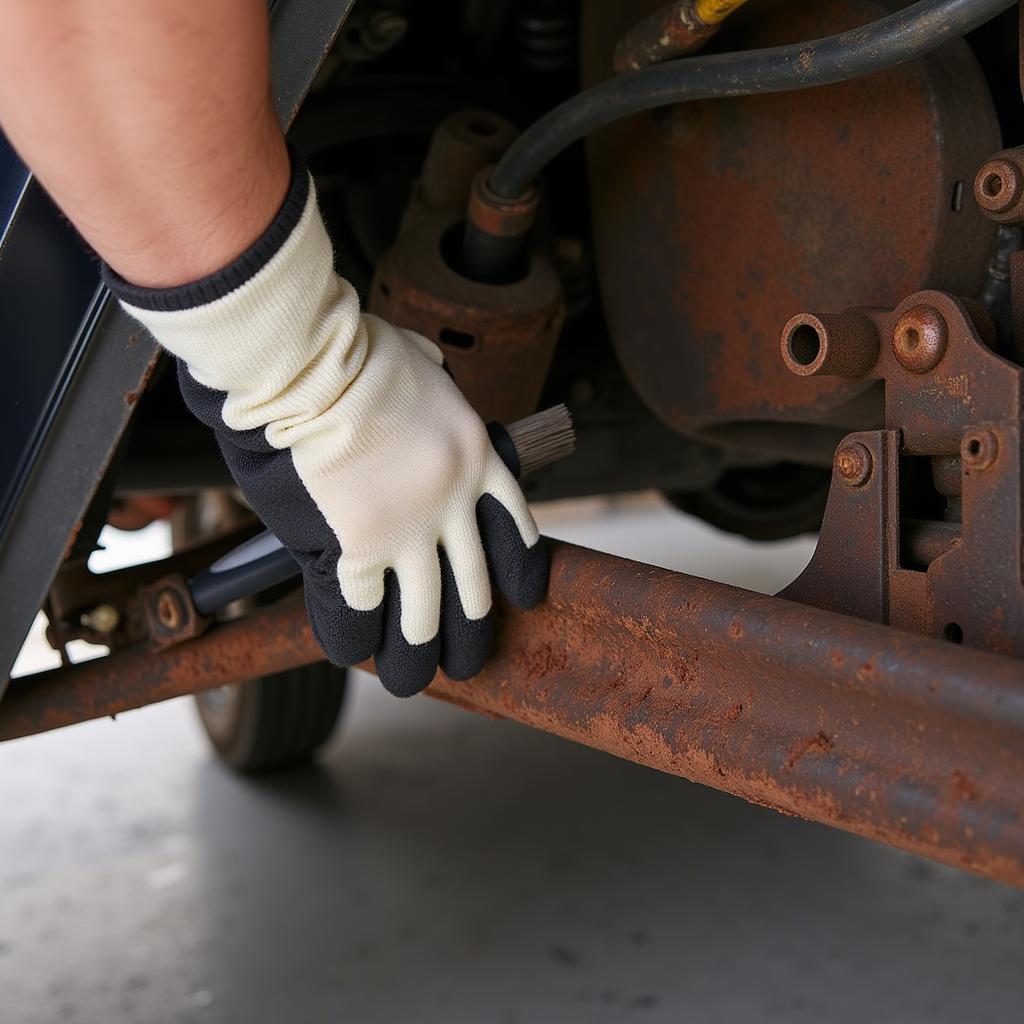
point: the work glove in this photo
(352, 443)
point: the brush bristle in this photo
(542, 438)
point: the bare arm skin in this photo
(150, 124)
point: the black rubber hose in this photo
(910, 33)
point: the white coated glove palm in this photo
(354, 445)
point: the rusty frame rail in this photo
(901, 738)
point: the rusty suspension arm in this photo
(904, 739)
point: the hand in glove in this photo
(353, 444)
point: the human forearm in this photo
(150, 124)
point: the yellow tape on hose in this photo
(711, 12)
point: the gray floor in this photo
(440, 867)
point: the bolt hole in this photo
(804, 344)
(911, 338)
(456, 339)
(485, 129)
(992, 185)
(974, 448)
(954, 633)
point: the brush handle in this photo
(254, 566)
(263, 561)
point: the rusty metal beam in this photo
(901, 738)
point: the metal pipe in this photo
(901, 738)
(676, 29)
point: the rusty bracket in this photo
(498, 340)
(923, 528)
(146, 603)
(170, 615)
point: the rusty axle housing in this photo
(901, 738)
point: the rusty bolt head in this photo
(999, 188)
(979, 449)
(169, 609)
(920, 338)
(854, 463)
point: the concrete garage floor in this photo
(440, 867)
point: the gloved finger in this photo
(419, 581)
(347, 636)
(519, 572)
(502, 485)
(361, 580)
(403, 668)
(465, 642)
(468, 565)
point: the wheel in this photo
(769, 503)
(275, 721)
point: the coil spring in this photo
(546, 31)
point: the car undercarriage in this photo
(780, 282)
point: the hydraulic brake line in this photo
(495, 244)
(905, 35)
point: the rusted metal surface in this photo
(169, 613)
(503, 218)
(497, 339)
(897, 737)
(925, 520)
(999, 192)
(832, 198)
(129, 596)
(672, 31)
(462, 144)
(919, 339)
(843, 344)
(854, 463)
(999, 187)
(270, 640)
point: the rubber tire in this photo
(274, 722)
(765, 504)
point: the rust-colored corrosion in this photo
(497, 216)
(829, 198)
(924, 524)
(999, 187)
(919, 339)
(901, 738)
(497, 339)
(841, 344)
(463, 143)
(672, 31)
